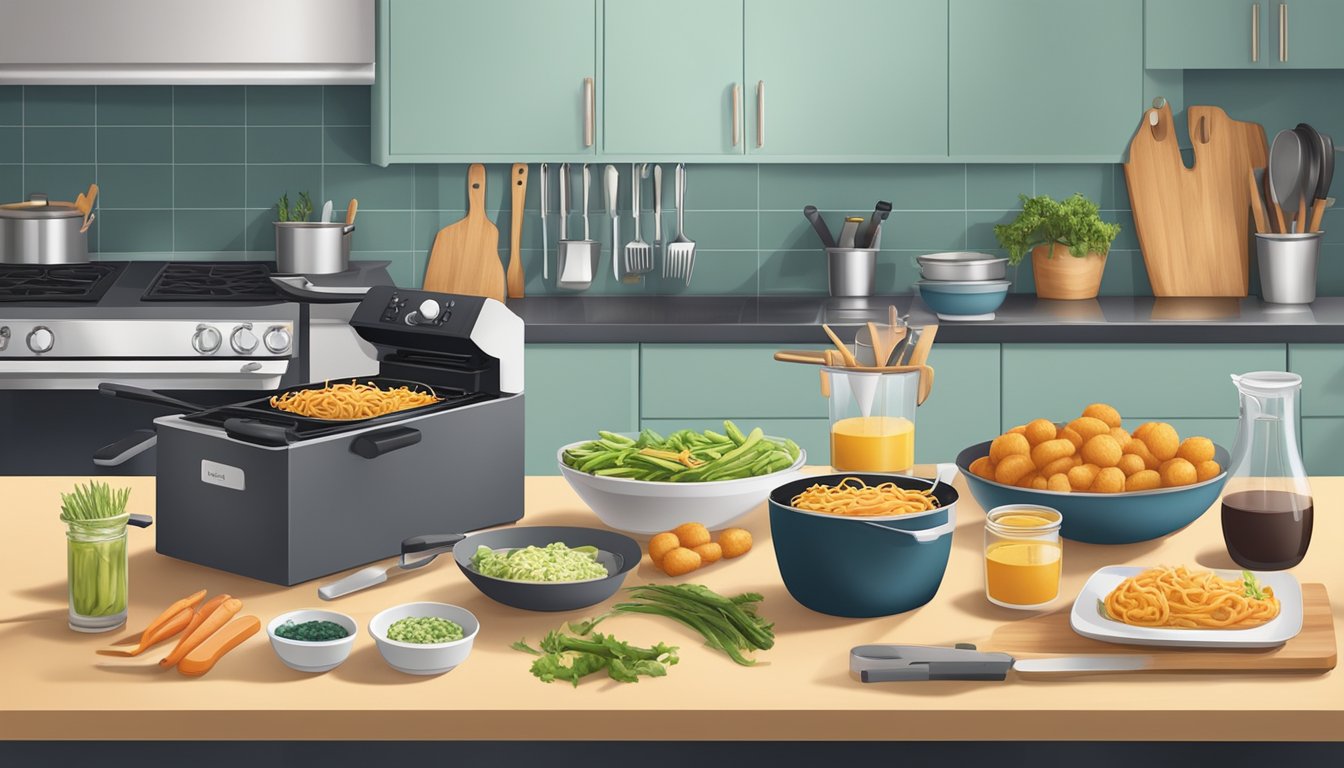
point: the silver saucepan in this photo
(43, 232)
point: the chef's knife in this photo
(897, 663)
(425, 548)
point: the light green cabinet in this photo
(1207, 34)
(573, 390)
(963, 408)
(671, 70)
(727, 381)
(1311, 34)
(463, 79)
(1044, 78)
(1321, 367)
(1321, 439)
(1142, 381)
(847, 78)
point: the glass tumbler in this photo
(96, 566)
(1023, 556)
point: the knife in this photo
(545, 269)
(426, 547)
(896, 663)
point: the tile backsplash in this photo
(195, 172)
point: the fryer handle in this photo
(255, 431)
(430, 541)
(375, 444)
(128, 392)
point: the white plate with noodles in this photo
(1227, 612)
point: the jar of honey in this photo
(1023, 555)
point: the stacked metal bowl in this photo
(962, 285)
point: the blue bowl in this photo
(860, 567)
(950, 299)
(1104, 518)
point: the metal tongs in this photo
(416, 552)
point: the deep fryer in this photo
(254, 490)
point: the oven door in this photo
(169, 374)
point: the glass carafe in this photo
(872, 420)
(1267, 502)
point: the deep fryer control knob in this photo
(429, 309)
(206, 340)
(277, 339)
(243, 340)
(41, 339)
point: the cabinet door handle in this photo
(760, 113)
(588, 116)
(1283, 33)
(1255, 32)
(737, 113)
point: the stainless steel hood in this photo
(196, 42)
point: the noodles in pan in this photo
(1181, 598)
(351, 401)
(852, 496)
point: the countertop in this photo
(1022, 319)
(55, 687)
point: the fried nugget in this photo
(1013, 467)
(1102, 450)
(1007, 445)
(1178, 472)
(1162, 440)
(1039, 430)
(1103, 412)
(1143, 480)
(1109, 480)
(1196, 450)
(1051, 450)
(1089, 427)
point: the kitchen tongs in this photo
(895, 663)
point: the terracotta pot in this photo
(1065, 276)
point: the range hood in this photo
(196, 42)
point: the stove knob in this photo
(429, 309)
(206, 340)
(243, 340)
(277, 339)
(41, 339)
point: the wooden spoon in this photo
(350, 211)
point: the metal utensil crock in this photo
(312, 247)
(851, 271)
(42, 232)
(1288, 266)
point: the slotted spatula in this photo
(638, 254)
(681, 251)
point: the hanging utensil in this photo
(514, 276)
(545, 258)
(681, 251)
(611, 180)
(573, 266)
(823, 231)
(638, 255)
(658, 245)
(416, 552)
(1285, 175)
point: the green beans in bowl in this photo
(647, 483)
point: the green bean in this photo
(730, 455)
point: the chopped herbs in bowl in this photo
(424, 638)
(312, 640)
(312, 631)
(555, 562)
(424, 630)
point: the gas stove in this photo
(167, 325)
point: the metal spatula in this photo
(416, 552)
(681, 251)
(638, 254)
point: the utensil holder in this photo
(851, 271)
(1288, 266)
(312, 247)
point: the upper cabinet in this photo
(672, 80)
(1032, 79)
(1236, 34)
(512, 78)
(848, 79)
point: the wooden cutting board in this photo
(1194, 223)
(465, 256)
(1313, 650)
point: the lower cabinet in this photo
(1321, 439)
(963, 408)
(573, 390)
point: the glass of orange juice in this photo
(872, 420)
(1023, 555)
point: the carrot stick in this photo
(166, 630)
(202, 613)
(203, 658)
(218, 618)
(169, 613)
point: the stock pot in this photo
(39, 231)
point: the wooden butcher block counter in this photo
(54, 686)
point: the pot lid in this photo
(39, 207)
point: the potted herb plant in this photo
(1068, 242)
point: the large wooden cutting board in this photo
(465, 256)
(1194, 223)
(1313, 650)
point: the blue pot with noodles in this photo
(861, 566)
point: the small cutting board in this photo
(1313, 650)
(465, 256)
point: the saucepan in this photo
(618, 554)
(312, 247)
(40, 231)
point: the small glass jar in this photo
(1023, 555)
(96, 565)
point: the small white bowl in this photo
(307, 656)
(646, 508)
(426, 658)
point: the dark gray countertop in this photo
(1022, 319)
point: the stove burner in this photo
(216, 281)
(56, 282)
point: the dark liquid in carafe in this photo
(1262, 530)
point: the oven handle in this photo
(374, 444)
(128, 392)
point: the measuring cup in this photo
(872, 420)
